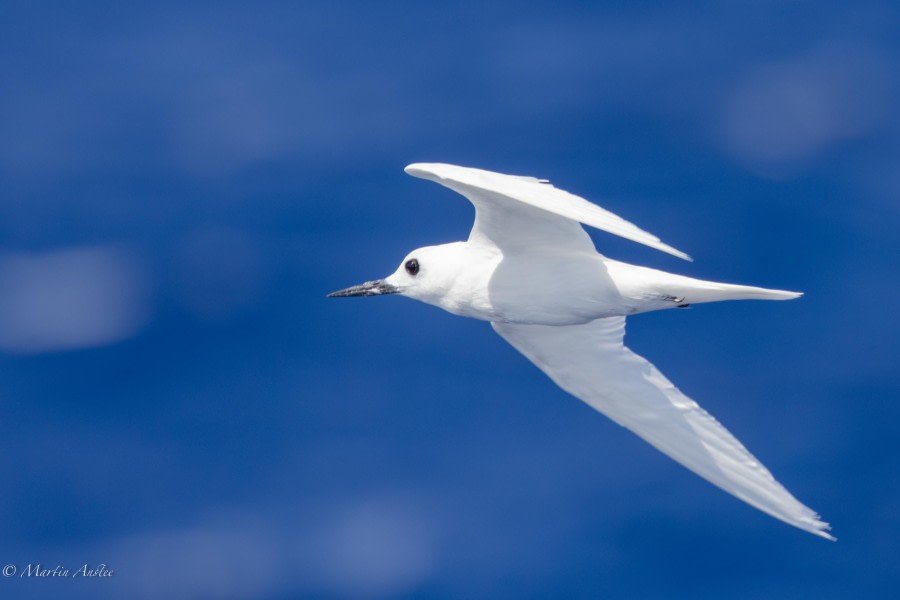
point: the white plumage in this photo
(530, 269)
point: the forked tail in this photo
(678, 290)
(696, 291)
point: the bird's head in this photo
(426, 274)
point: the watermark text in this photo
(46, 571)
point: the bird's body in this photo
(482, 282)
(531, 270)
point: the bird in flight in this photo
(531, 270)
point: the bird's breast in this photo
(543, 289)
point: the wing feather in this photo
(591, 362)
(512, 210)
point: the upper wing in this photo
(512, 211)
(591, 362)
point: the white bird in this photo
(531, 270)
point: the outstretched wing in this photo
(591, 362)
(513, 211)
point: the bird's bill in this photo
(369, 288)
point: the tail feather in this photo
(678, 290)
(709, 291)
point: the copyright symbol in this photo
(9, 570)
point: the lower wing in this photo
(591, 362)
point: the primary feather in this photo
(591, 362)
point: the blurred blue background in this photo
(181, 185)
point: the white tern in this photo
(531, 270)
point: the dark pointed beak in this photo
(369, 288)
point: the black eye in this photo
(412, 266)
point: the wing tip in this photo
(682, 255)
(820, 528)
(659, 245)
(807, 520)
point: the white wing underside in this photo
(591, 362)
(514, 211)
